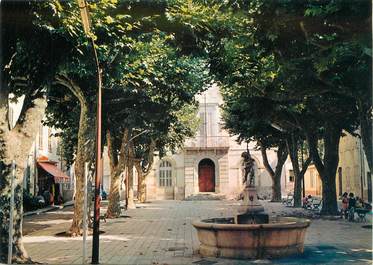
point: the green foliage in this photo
(306, 59)
(303, 67)
(158, 88)
(149, 82)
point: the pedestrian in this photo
(351, 206)
(344, 205)
(305, 201)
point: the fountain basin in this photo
(222, 237)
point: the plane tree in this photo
(152, 102)
(31, 56)
(76, 80)
(310, 58)
(323, 50)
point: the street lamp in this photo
(84, 12)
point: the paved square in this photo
(161, 232)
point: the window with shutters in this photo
(49, 140)
(41, 143)
(291, 175)
(348, 178)
(209, 124)
(312, 178)
(202, 126)
(165, 174)
(10, 117)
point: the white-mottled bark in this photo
(85, 150)
(15, 144)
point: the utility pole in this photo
(84, 12)
(11, 213)
(85, 214)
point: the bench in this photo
(361, 213)
(122, 207)
(289, 200)
(102, 217)
(314, 204)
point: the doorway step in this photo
(205, 197)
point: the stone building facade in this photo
(44, 166)
(353, 174)
(210, 162)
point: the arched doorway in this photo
(206, 175)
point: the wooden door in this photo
(206, 178)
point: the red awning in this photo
(59, 176)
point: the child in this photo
(344, 205)
(305, 201)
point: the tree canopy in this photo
(298, 66)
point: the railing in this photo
(207, 142)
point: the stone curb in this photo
(48, 209)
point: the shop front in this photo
(50, 181)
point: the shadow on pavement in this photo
(328, 254)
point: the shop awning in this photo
(59, 176)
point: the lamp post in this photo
(96, 221)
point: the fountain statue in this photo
(249, 168)
(251, 234)
(250, 211)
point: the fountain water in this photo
(251, 234)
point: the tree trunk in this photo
(113, 210)
(276, 187)
(297, 189)
(143, 171)
(85, 153)
(15, 145)
(366, 131)
(141, 185)
(275, 175)
(327, 168)
(85, 150)
(292, 145)
(329, 195)
(130, 165)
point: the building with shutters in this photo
(210, 162)
(45, 169)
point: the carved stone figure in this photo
(249, 169)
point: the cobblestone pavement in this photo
(37, 222)
(161, 233)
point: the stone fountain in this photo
(251, 234)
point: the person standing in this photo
(351, 207)
(344, 211)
